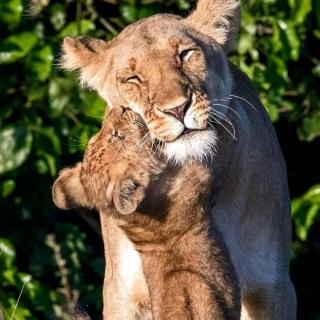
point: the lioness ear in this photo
(219, 19)
(86, 54)
(67, 191)
(127, 195)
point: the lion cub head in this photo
(116, 169)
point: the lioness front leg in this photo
(276, 302)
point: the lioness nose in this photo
(179, 111)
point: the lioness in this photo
(189, 275)
(160, 67)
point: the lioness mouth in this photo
(188, 131)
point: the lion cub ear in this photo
(86, 54)
(68, 191)
(127, 195)
(219, 19)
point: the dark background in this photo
(55, 259)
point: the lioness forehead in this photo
(152, 31)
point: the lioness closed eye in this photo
(188, 274)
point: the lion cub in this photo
(163, 210)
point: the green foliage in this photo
(284, 34)
(305, 210)
(46, 121)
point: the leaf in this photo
(7, 254)
(183, 4)
(292, 3)
(16, 47)
(47, 140)
(290, 40)
(39, 63)
(129, 12)
(310, 128)
(94, 106)
(305, 210)
(71, 29)
(300, 10)
(6, 248)
(313, 194)
(7, 187)
(36, 6)
(277, 70)
(245, 43)
(57, 16)
(10, 12)
(316, 70)
(15, 146)
(150, 9)
(272, 110)
(304, 221)
(59, 95)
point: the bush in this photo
(55, 260)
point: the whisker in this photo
(231, 96)
(159, 146)
(222, 99)
(141, 146)
(227, 107)
(226, 119)
(243, 99)
(151, 148)
(140, 143)
(220, 123)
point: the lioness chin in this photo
(188, 274)
(174, 72)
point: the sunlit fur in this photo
(196, 145)
(145, 72)
(251, 205)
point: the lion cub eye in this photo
(133, 79)
(185, 55)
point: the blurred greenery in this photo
(53, 259)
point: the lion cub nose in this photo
(179, 111)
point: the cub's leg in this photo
(170, 299)
(184, 295)
(204, 299)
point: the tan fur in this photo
(222, 15)
(188, 274)
(250, 204)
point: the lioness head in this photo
(166, 68)
(111, 173)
